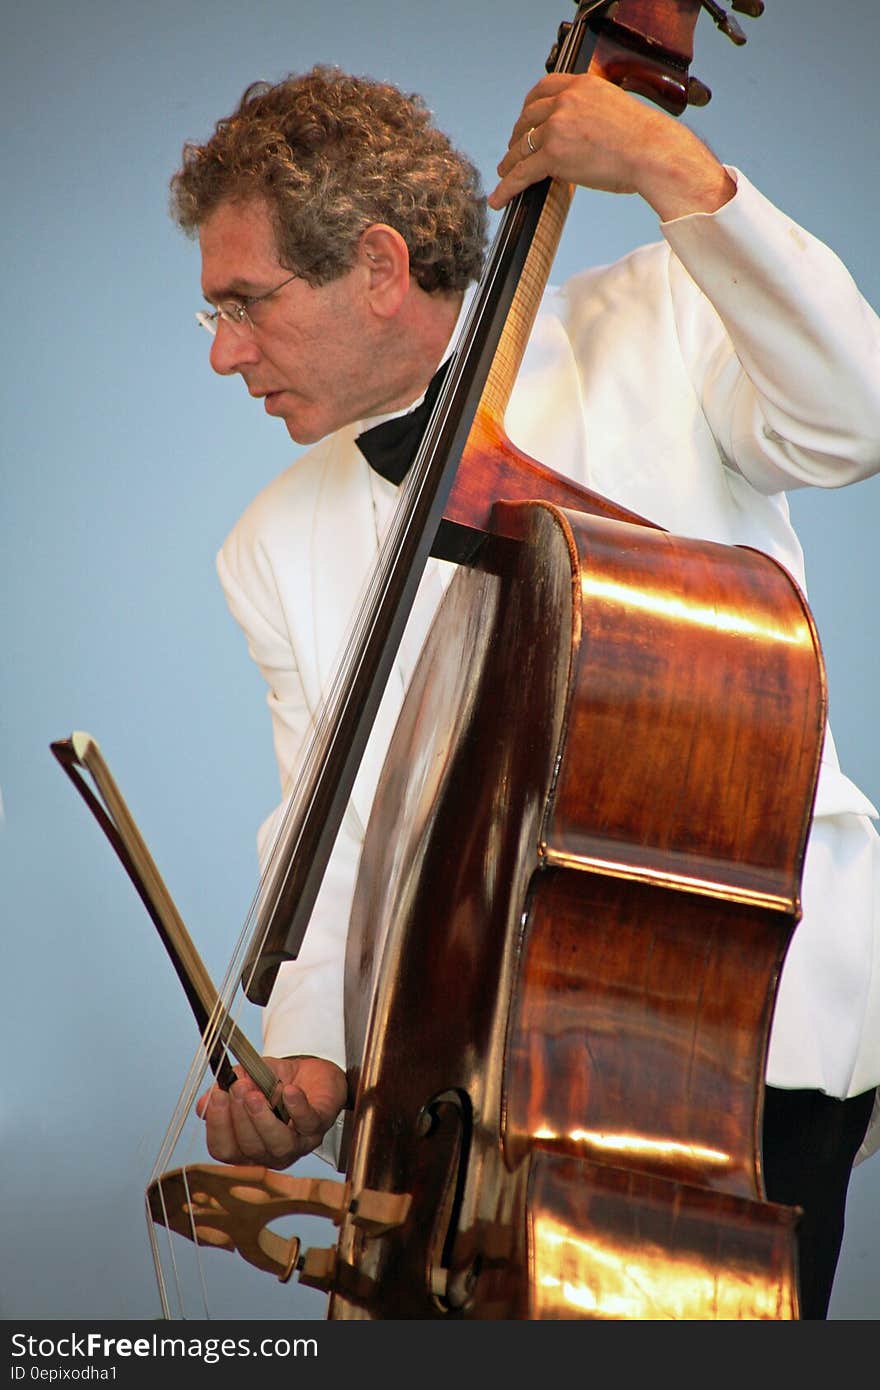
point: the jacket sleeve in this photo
(788, 375)
(304, 1015)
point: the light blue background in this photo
(125, 462)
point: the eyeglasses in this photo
(236, 312)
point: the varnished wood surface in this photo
(568, 1007)
(610, 1243)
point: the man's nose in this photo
(230, 351)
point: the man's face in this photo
(314, 356)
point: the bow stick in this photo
(80, 753)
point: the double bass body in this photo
(579, 881)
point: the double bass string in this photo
(326, 725)
(423, 476)
(230, 997)
(292, 877)
(363, 626)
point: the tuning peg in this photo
(698, 94)
(726, 23)
(561, 35)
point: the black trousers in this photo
(809, 1143)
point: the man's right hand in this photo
(240, 1126)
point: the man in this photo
(338, 232)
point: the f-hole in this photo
(446, 1122)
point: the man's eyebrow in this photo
(236, 289)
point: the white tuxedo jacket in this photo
(694, 382)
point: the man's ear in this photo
(383, 255)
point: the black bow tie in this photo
(390, 448)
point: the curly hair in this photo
(331, 154)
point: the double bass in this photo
(580, 876)
(579, 880)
